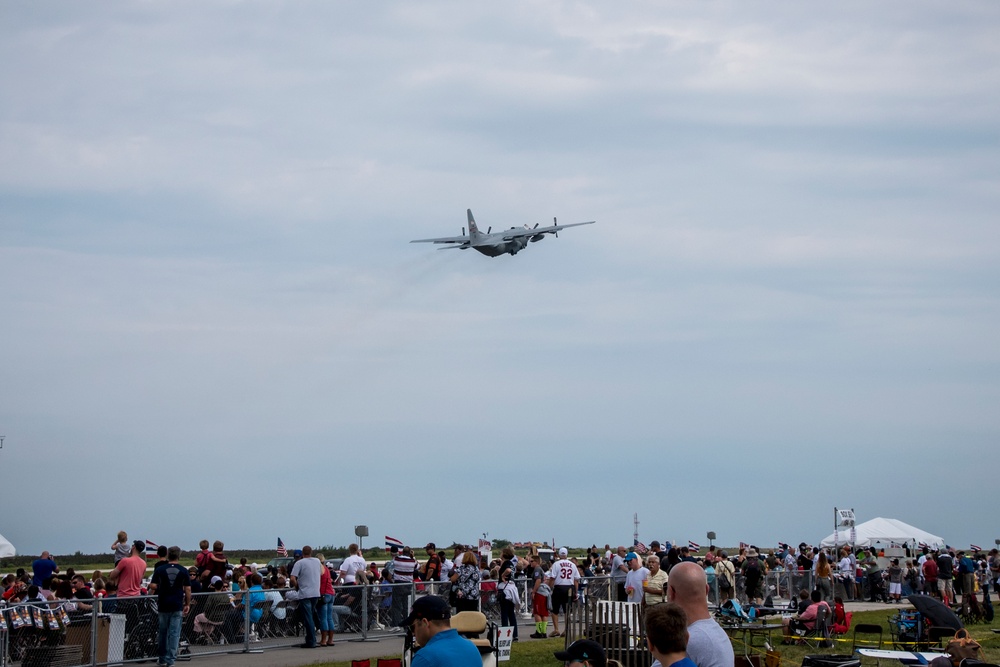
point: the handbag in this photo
(963, 647)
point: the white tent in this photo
(6, 548)
(884, 532)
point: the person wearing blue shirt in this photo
(667, 635)
(43, 568)
(440, 644)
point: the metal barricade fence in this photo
(124, 630)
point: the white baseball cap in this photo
(563, 551)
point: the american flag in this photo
(922, 545)
(282, 551)
(151, 546)
(744, 545)
(640, 548)
(391, 542)
(975, 547)
(694, 545)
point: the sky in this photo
(214, 325)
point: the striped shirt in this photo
(404, 567)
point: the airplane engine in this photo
(537, 237)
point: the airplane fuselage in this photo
(494, 245)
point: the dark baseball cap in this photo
(139, 546)
(584, 650)
(430, 607)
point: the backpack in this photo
(723, 575)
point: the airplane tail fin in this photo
(473, 229)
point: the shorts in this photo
(945, 586)
(540, 606)
(895, 589)
(561, 598)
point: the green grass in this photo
(527, 654)
(539, 653)
(792, 655)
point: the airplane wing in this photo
(444, 239)
(537, 231)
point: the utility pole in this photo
(635, 523)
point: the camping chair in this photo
(819, 636)
(867, 629)
(836, 629)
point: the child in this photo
(895, 580)
(122, 548)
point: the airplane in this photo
(510, 241)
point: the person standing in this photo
(619, 570)
(946, 575)
(564, 579)
(636, 577)
(655, 586)
(172, 585)
(404, 565)
(431, 571)
(42, 568)
(466, 580)
(725, 576)
(305, 577)
(539, 600)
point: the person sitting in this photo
(803, 604)
(841, 619)
(807, 620)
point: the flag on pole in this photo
(975, 547)
(694, 546)
(282, 551)
(391, 542)
(640, 548)
(922, 545)
(151, 546)
(744, 545)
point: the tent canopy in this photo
(6, 548)
(884, 532)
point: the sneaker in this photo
(538, 635)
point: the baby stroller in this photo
(877, 588)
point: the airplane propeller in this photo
(489, 229)
(463, 231)
(555, 224)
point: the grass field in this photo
(539, 653)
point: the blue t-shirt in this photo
(42, 569)
(448, 649)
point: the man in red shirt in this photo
(930, 569)
(130, 571)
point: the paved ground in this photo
(389, 647)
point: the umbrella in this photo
(936, 612)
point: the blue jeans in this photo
(308, 608)
(339, 613)
(168, 636)
(326, 614)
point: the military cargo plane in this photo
(508, 242)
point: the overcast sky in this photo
(213, 324)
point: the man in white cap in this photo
(564, 579)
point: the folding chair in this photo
(389, 662)
(819, 636)
(867, 629)
(361, 663)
